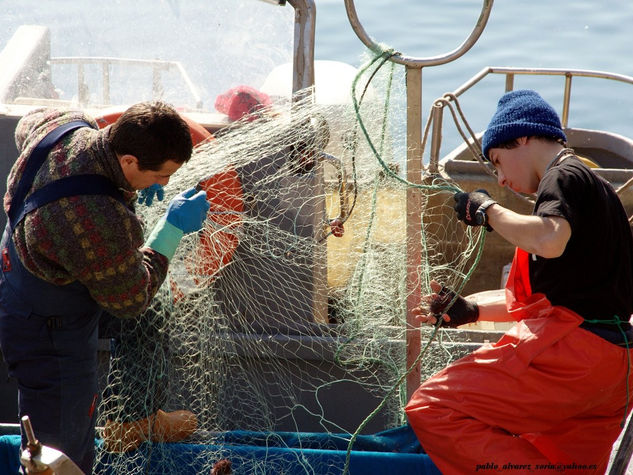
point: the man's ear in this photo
(129, 166)
(127, 160)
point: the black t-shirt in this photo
(594, 276)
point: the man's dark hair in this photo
(153, 132)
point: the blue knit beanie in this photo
(522, 113)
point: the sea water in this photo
(224, 43)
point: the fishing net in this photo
(270, 320)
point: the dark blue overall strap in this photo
(75, 185)
(90, 184)
(35, 161)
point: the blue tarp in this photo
(392, 451)
(9, 454)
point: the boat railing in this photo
(157, 67)
(569, 74)
(510, 74)
(27, 77)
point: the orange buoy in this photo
(217, 245)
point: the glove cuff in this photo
(461, 312)
(482, 216)
(164, 238)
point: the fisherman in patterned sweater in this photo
(74, 247)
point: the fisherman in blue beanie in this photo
(554, 389)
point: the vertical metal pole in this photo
(509, 82)
(303, 90)
(414, 220)
(303, 48)
(436, 138)
(157, 88)
(566, 100)
(82, 87)
(106, 82)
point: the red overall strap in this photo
(520, 301)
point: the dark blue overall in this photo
(48, 333)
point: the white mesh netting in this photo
(270, 323)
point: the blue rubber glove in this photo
(185, 214)
(146, 195)
(188, 210)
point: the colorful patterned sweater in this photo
(95, 240)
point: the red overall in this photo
(548, 396)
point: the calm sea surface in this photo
(223, 43)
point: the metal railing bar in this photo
(156, 65)
(415, 62)
(569, 74)
(509, 71)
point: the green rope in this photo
(363, 266)
(374, 198)
(384, 56)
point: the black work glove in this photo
(461, 312)
(471, 207)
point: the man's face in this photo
(513, 167)
(140, 179)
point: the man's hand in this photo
(146, 195)
(460, 313)
(471, 207)
(188, 210)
